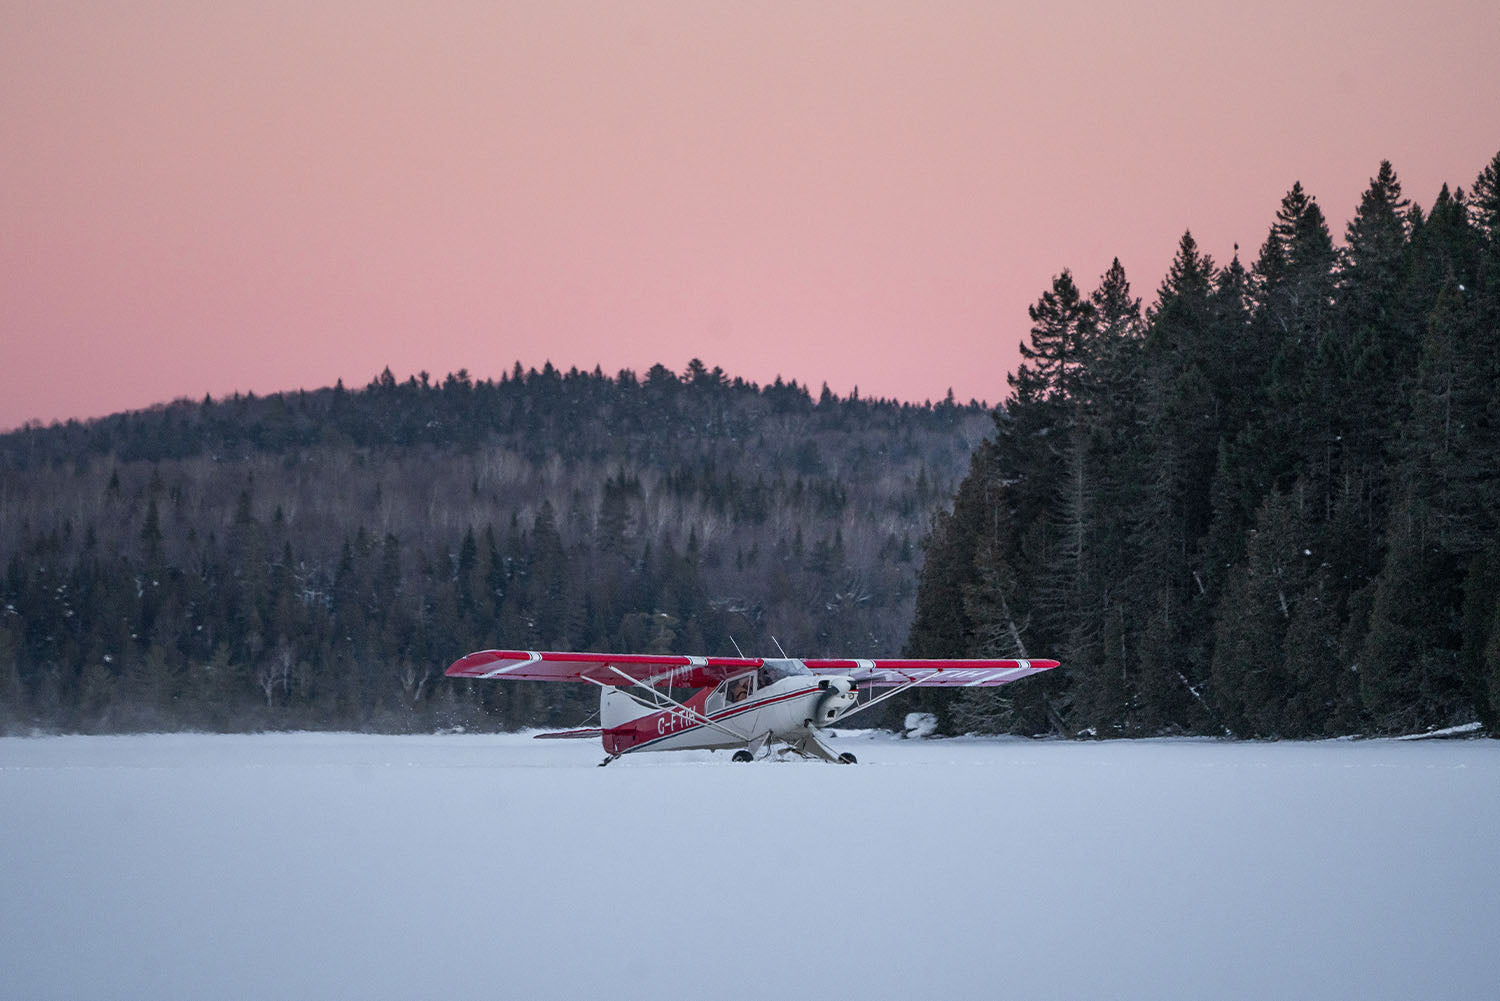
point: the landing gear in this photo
(742, 756)
(809, 746)
(608, 760)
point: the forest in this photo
(316, 559)
(1264, 506)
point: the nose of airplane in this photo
(838, 695)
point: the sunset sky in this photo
(203, 197)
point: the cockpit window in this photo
(738, 689)
(731, 691)
(773, 671)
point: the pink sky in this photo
(202, 197)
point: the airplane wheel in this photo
(743, 756)
(848, 759)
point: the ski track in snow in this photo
(496, 866)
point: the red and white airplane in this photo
(750, 704)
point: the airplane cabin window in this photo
(739, 688)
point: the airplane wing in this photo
(931, 673)
(605, 668)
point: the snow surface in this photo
(456, 867)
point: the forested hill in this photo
(315, 559)
(1268, 506)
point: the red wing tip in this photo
(460, 668)
(467, 665)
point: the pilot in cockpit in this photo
(739, 690)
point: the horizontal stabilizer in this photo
(586, 734)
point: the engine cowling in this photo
(839, 694)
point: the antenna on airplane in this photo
(778, 646)
(737, 648)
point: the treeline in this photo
(316, 559)
(540, 414)
(1266, 506)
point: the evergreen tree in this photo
(1180, 444)
(1373, 345)
(1061, 324)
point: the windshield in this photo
(773, 671)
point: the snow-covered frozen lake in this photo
(456, 867)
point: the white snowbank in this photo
(454, 867)
(919, 725)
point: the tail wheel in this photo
(743, 756)
(848, 759)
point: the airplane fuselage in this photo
(786, 710)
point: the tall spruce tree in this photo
(1179, 439)
(1373, 346)
(1102, 471)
